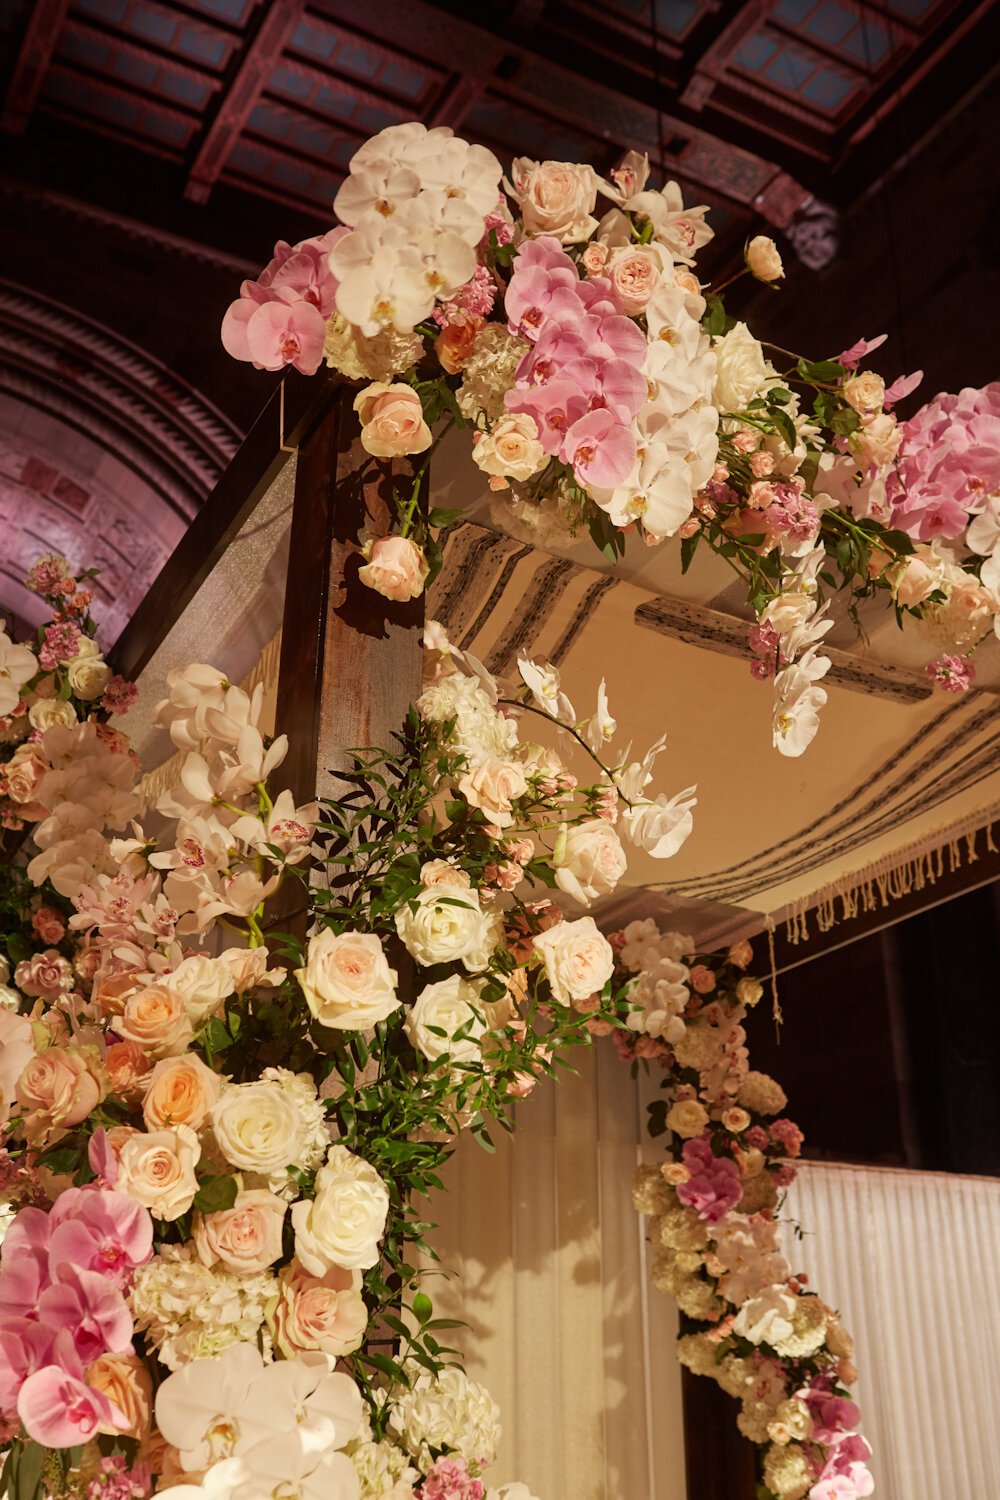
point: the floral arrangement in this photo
(217, 1138)
(747, 1321)
(607, 390)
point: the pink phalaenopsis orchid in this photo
(91, 1310)
(715, 1185)
(852, 357)
(60, 1411)
(600, 449)
(103, 1232)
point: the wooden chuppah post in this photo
(350, 661)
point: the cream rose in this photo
(865, 392)
(88, 677)
(204, 983)
(492, 786)
(17, 1048)
(635, 275)
(442, 927)
(180, 1091)
(740, 369)
(578, 959)
(449, 1006)
(245, 1238)
(343, 1224)
(58, 1089)
(325, 1313)
(588, 860)
(394, 567)
(156, 1019)
(555, 197)
(876, 441)
(346, 981)
(46, 713)
(157, 1170)
(749, 991)
(392, 420)
(914, 580)
(23, 775)
(441, 872)
(687, 1118)
(512, 449)
(126, 1382)
(257, 1127)
(763, 259)
(248, 967)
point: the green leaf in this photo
(215, 1193)
(29, 1472)
(845, 420)
(688, 548)
(785, 428)
(821, 369)
(441, 516)
(778, 396)
(714, 321)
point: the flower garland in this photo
(215, 1158)
(607, 389)
(747, 1321)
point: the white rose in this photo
(492, 786)
(343, 1224)
(740, 369)
(258, 1127)
(347, 981)
(46, 713)
(203, 983)
(88, 677)
(687, 1118)
(449, 1006)
(578, 959)
(556, 197)
(512, 449)
(157, 1170)
(442, 927)
(589, 860)
(763, 259)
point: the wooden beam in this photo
(697, 625)
(719, 1462)
(294, 409)
(237, 102)
(45, 20)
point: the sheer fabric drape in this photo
(565, 1328)
(912, 1262)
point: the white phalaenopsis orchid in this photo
(543, 683)
(17, 666)
(660, 827)
(601, 726)
(797, 702)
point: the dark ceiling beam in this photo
(237, 102)
(45, 22)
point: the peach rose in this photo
(969, 601)
(127, 1383)
(635, 276)
(249, 968)
(763, 259)
(512, 449)
(126, 1065)
(392, 420)
(23, 775)
(58, 1089)
(111, 991)
(594, 258)
(440, 872)
(578, 959)
(46, 975)
(492, 786)
(181, 1091)
(556, 197)
(245, 1238)
(396, 568)
(741, 953)
(49, 925)
(453, 344)
(702, 979)
(157, 1170)
(325, 1313)
(157, 1019)
(735, 1119)
(915, 581)
(588, 860)
(346, 981)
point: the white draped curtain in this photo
(565, 1328)
(912, 1262)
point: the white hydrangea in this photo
(700, 1047)
(385, 354)
(645, 945)
(489, 373)
(699, 1354)
(451, 1411)
(479, 731)
(380, 1466)
(760, 1093)
(787, 1471)
(188, 1312)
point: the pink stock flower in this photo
(788, 1135)
(116, 1481)
(449, 1479)
(473, 300)
(952, 674)
(600, 449)
(60, 644)
(119, 695)
(60, 1411)
(51, 574)
(852, 357)
(715, 1185)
